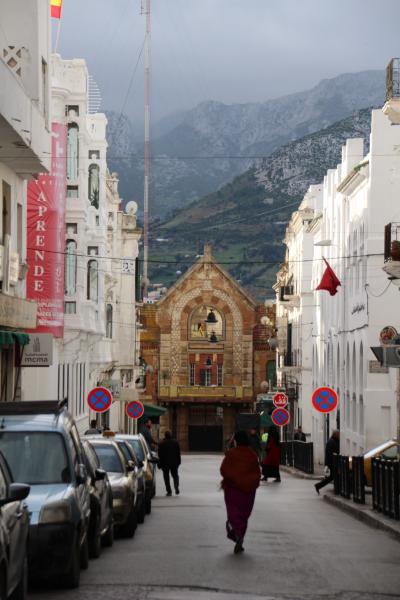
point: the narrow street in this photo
(297, 547)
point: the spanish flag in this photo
(56, 6)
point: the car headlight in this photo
(55, 513)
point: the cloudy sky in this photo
(227, 50)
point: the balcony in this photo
(392, 250)
(25, 141)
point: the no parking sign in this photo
(325, 400)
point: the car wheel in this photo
(84, 555)
(95, 540)
(21, 591)
(148, 505)
(108, 538)
(3, 583)
(142, 511)
(73, 576)
(131, 524)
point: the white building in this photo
(359, 198)
(25, 146)
(99, 332)
(295, 310)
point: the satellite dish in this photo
(131, 207)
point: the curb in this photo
(364, 514)
(299, 474)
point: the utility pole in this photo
(147, 73)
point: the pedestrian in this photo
(300, 436)
(332, 447)
(93, 429)
(272, 460)
(169, 455)
(255, 442)
(145, 430)
(240, 471)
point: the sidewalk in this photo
(365, 513)
(319, 473)
(362, 512)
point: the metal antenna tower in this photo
(146, 10)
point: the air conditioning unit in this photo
(388, 356)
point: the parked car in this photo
(130, 456)
(101, 525)
(42, 447)
(14, 528)
(123, 483)
(388, 450)
(149, 460)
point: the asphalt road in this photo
(297, 547)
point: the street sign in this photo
(99, 399)
(325, 400)
(280, 400)
(280, 417)
(134, 409)
(39, 351)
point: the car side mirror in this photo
(16, 493)
(140, 464)
(131, 466)
(100, 474)
(81, 476)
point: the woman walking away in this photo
(271, 462)
(241, 477)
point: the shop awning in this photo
(9, 338)
(151, 410)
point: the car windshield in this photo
(137, 448)
(36, 458)
(125, 451)
(108, 457)
(378, 449)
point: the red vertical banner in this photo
(46, 238)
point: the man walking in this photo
(169, 454)
(332, 447)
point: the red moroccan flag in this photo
(329, 281)
(56, 6)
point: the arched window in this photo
(93, 280)
(204, 322)
(94, 185)
(70, 268)
(109, 321)
(72, 152)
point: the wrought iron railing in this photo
(299, 455)
(392, 242)
(386, 487)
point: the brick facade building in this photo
(200, 340)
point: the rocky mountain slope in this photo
(245, 220)
(206, 147)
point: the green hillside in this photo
(245, 220)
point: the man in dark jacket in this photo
(332, 447)
(169, 454)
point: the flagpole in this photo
(57, 36)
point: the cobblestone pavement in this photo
(297, 548)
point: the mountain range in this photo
(198, 151)
(245, 219)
